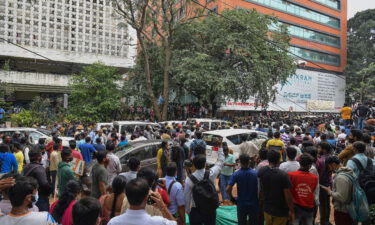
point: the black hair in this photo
(100, 156)
(23, 140)
(253, 135)
(33, 154)
(98, 140)
(164, 144)
(41, 141)
(71, 190)
(276, 134)
(17, 145)
(199, 161)
(273, 156)
(359, 146)
(245, 159)
(110, 146)
(291, 153)
(118, 187)
(122, 138)
(24, 186)
(136, 191)
(263, 154)
(4, 148)
(244, 137)
(357, 134)
(270, 134)
(171, 169)
(366, 138)
(72, 144)
(293, 141)
(149, 175)
(65, 153)
(312, 151)
(332, 159)
(134, 163)
(306, 160)
(323, 137)
(86, 211)
(325, 146)
(56, 147)
(198, 134)
(87, 139)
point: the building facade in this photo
(45, 42)
(318, 30)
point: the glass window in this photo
(316, 56)
(235, 139)
(212, 140)
(297, 10)
(331, 3)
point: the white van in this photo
(130, 126)
(100, 126)
(210, 124)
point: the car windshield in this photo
(124, 149)
(212, 140)
(44, 131)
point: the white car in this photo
(35, 134)
(100, 126)
(231, 136)
(211, 124)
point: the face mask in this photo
(35, 198)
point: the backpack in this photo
(358, 208)
(366, 179)
(204, 194)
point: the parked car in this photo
(34, 134)
(130, 126)
(210, 124)
(231, 136)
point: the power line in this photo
(26, 49)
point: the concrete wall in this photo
(26, 78)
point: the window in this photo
(235, 139)
(316, 56)
(300, 11)
(331, 3)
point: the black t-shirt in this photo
(273, 181)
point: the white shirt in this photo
(289, 166)
(30, 218)
(199, 174)
(130, 175)
(136, 217)
(114, 166)
(26, 154)
(341, 136)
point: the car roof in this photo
(133, 122)
(136, 144)
(228, 132)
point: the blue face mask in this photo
(35, 198)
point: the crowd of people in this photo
(293, 177)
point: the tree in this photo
(361, 52)
(365, 89)
(232, 57)
(95, 94)
(155, 23)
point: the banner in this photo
(77, 166)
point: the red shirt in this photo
(76, 154)
(164, 196)
(303, 188)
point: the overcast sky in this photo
(359, 5)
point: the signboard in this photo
(302, 87)
(77, 166)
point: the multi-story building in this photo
(44, 42)
(318, 30)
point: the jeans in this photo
(247, 216)
(324, 207)
(43, 203)
(198, 218)
(53, 180)
(180, 171)
(360, 123)
(303, 216)
(224, 181)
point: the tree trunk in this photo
(166, 71)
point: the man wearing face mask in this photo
(22, 196)
(36, 170)
(65, 172)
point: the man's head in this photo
(245, 160)
(225, 150)
(7, 139)
(134, 164)
(263, 154)
(87, 139)
(355, 135)
(23, 194)
(306, 161)
(110, 146)
(72, 144)
(86, 211)
(199, 161)
(66, 155)
(312, 151)
(56, 146)
(359, 147)
(171, 169)
(324, 148)
(253, 135)
(273, 157)
(98, 140)
(198, 134)
(244, 137)
(101, 156)
(41, 141)
(16, 147)
(276, 134)
(137, 192)
(292, 141)
(35, 155)
(4, 148)
(149, 175)
(333, 163)
(291, 153)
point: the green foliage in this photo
(95, 94)
(25, 118)
(4, 90)
(361, 52)
(39, 109)
(365, 87)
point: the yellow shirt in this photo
(275, 142)
(19, 158)
(346, 113)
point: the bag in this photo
(204, 194)
(199, 147)
(358, 208)
(366, 179)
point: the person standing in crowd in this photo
(197, 146)
(303, 188)
(291, 164)
(370, 151)
(196, 216)
(138, 193)
(22, 197)
(86, 150)
(292, 144)
(18, 155)
(325, 179)
(163, 158)
(176, 194)
(36, 170)
(62, 209)
(276, 144)
(362, 112)
(86, 211)
(123, 141)
(134, 165)
(342, 190)
(346, 114)
(348, 152)
(8, 161)
(103, 138)
(76, 154)
(54, 163)
(360, 160)
(249, 148)
(226, 173)
(112, 203)
(178, 156)
(25, 146)
(275, 190)
(247, 190)
(263, 159)
(99, 146)
(99, 175)
(65, 172)
(114, 165)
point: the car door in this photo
(149, 157)
(34, 137)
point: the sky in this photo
(355, 6)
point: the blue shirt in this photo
(2, 113)
(363, 159)
(81, 142)
(176, 195)
(122, 143)
(247, 187)
(9, 163)
(86, 150)
(99, 147)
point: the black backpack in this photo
(366, 179)
(204, 194)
